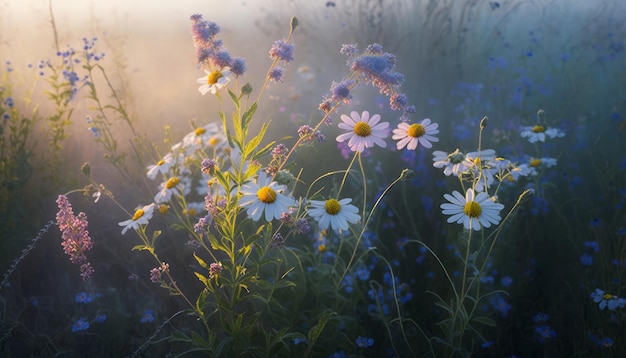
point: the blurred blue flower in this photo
(586, 259)
(80, 325)
(148, 316)
(363, 342)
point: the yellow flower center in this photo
(416, 130)
(538, 129)
(161, 162)
(172, 182)
(214, 77)
(362, 129)
(213, 141)
(163, 209)
(472, 209)
(138, 214)
(535, 163)
(332, 207)
(190, 212)
(200, 131)
(321, 248)
(266, 195)
(607, 296)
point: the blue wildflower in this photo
(282, 50)
(593, 245)
(341, 91)
(363, 342)
(276, 74)
(222, 59)
(506, 281)
(9, 102)
(80, 325)
(148, 316)
(586, 259)
(545, 333)
(501, 305)
(297, 341)
(238, 66)
(541, 317)
(100, 317)
(83, 297)
(605, 300)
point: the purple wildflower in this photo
(76, 239)
(276, 74)
(238, 66)
(222, 59)
(341, 91)
(215, 269)
(305, 132)
(208, 166)
(278, 241)
(282, 50)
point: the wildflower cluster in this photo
(76, 239)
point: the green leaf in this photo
(316, 330)
(247, 116)
(201, 299)
(202, 278)
(200, 261)
(234, 98)
(141, 248)
(485, 320)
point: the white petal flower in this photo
(364, 132)
(141, 217)
(334, 213)
(213, 81)
(410, 135)
(265, 196)
(473, 211)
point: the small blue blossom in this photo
(541, 317)
(100, 317)
(83, 297)
(586, 259)
(9, 102)
(80, 325)
(506, 281)
(545, 333)
(594, 245)
(238, 66)
(282, 50)
(276, 74)
(341, 91)
(297, 341)
(148, 316)
(363, 342)
(605, 300)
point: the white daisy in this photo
(473, 211)
(516, 171)
(539, 133)
(213, 81)
(141, 217)
(410, 135)
(265, 196)
(453, 163)
(364, 131)
(162, 166)
(536, 163)
(174, 185)
(334, 213)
